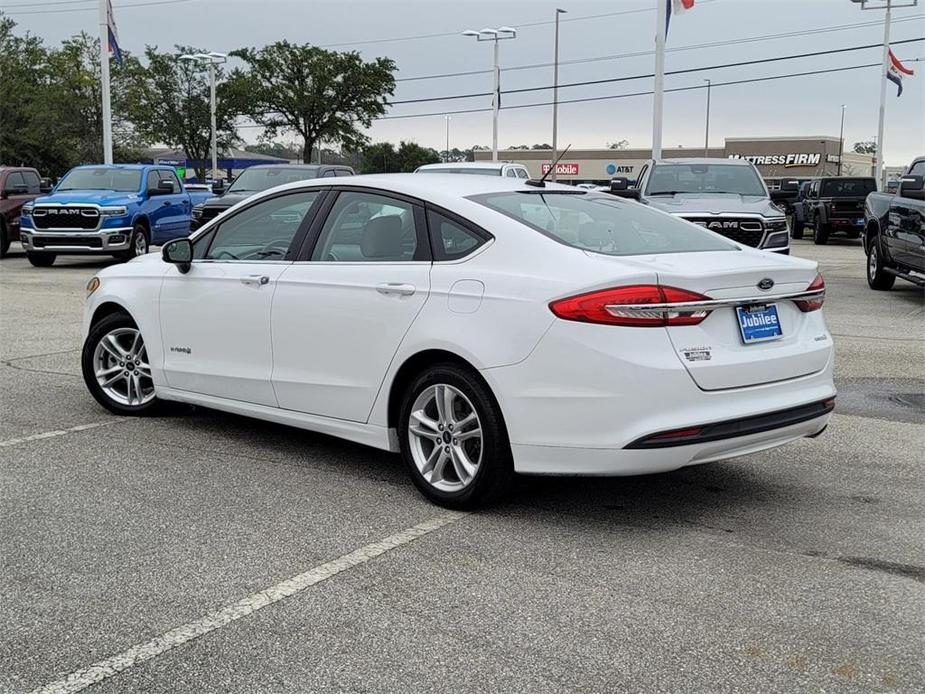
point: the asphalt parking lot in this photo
(144, 546)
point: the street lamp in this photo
(841, 138)
(447, 150)
(489, 34)
(555, 101)
(706, 135)
(212, 59)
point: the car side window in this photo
(153, 179)
(451, 240)
(263, 231)
(511, 173)
(918, 169)
(343, 172)
(366, 227)
(169, 175)
(33, 182)
(522, 173)
(328, 174)
(13, 181)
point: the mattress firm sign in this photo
(785, 160)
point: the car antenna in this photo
(541, 183)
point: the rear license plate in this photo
(758, 323)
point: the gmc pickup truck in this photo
(117, 210)
(894, 231)
(724, 195)
(18, 186)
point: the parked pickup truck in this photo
(894, 231)
(18, 185)
(117, 210)
(724, 195)
(835, 205)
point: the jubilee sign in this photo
(562, 169)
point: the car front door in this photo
(215, 319)
(175, 208)
(906, 232)
(341, 312)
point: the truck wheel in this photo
(41, 259)
(877, 276)
(138, 244)
(796, 229)
(4, 240)
(821, 233)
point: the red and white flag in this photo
(676, 7)
(896, 71)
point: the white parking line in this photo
(57, 432)
(104, 669)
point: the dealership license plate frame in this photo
(751, 335)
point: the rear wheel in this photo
(115, 367)
(138, 244)
(877, 276)
(820, 233)
(41, 259)
(453, 438)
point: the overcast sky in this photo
(809, 105)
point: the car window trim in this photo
(297, 238)
(438, 253)
(417, 206)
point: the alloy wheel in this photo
(120, 364)
(141, 243)
(872, 262)
(446, 438)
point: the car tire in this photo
(115, 367)
(820, 233)
(796, 229)
(138, 244)
(4, 240)
(475, 469)
(41, 259)
(877, 276)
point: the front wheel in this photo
(820, 233)
(115, 367)
(877, 276)
(453, 438)
(41, 259)
(138, 244)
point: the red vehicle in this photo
(18, 185)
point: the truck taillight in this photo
(641, 305)
(814, 303)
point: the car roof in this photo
(704, 160)
(467, 165)
(123, 166)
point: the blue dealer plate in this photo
(758, 323)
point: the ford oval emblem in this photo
(766, 284)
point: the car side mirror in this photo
(179, 252)
(618, 184)
(45, 185)
(912, 187)
(218, 187)
(790, 186)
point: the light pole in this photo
(499, 34)
(841, 138)
(706, 135)
(555, 101)
(212, 59)
(447, 150)
(888, 5)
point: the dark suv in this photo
(259, 178)
(18, 185)
(836, 205)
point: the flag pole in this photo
(104, 80)
(877, 168)
(661, 27)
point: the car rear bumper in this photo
(76, 242)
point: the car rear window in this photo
(603, 224)
(848, 187)
(463, 170)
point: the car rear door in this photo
(341, 311)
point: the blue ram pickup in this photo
(119, 210)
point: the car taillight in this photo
(641, 305)
(814, 303)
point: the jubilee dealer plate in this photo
(759, 323)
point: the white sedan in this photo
(479, 326)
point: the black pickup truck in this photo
(836, 205)
(894, 231)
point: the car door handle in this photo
(167, 203)
(395, 288)
(255, 280)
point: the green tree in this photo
(319, 95)
(382, 157)
(865, 147)
(167, 100)
(622, 144)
